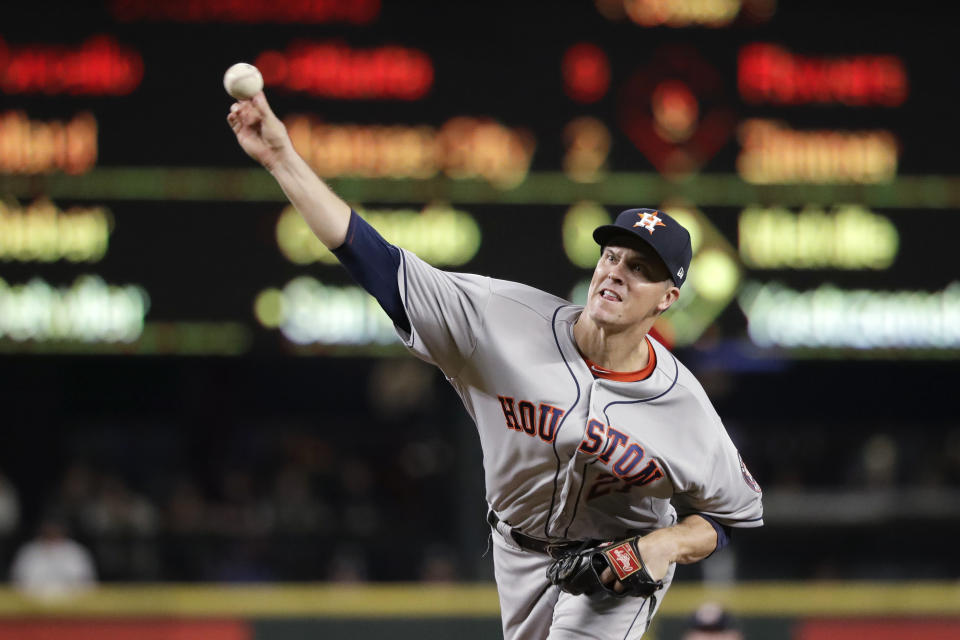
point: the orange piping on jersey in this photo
(628, 376)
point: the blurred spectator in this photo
(360, 514)
(879, 456)
(52, 565)
(295, 508)
(951, 456)
(117, 510)
(186, 552)
(399, 386)
(348, 564)
(239, 512)
(76, 493)
(711, 622)
(9, 507)
(439, 564)
(186, 510)
(242, 560)
(123, 526)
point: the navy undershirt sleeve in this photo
(373, 262)
(723, 532)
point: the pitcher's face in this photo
(630, 284)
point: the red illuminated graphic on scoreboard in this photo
(675, 111)
(99, 67)
(334, 70)
(768, 73)
(586, 72)
(247, 11)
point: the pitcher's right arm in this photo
(265, 139)
(371, 260)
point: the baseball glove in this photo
(578, 572)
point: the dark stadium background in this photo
(389, 464)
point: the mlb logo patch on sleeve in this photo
(747, 477)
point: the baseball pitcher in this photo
(605, 462)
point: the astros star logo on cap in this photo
(649, 221)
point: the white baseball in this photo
(243, 81)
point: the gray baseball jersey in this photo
(568, 456)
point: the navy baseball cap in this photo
(668, 238)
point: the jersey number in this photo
(604, 484)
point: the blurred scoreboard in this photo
(809, 147)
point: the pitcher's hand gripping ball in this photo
(579, 572)
(243, 81)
